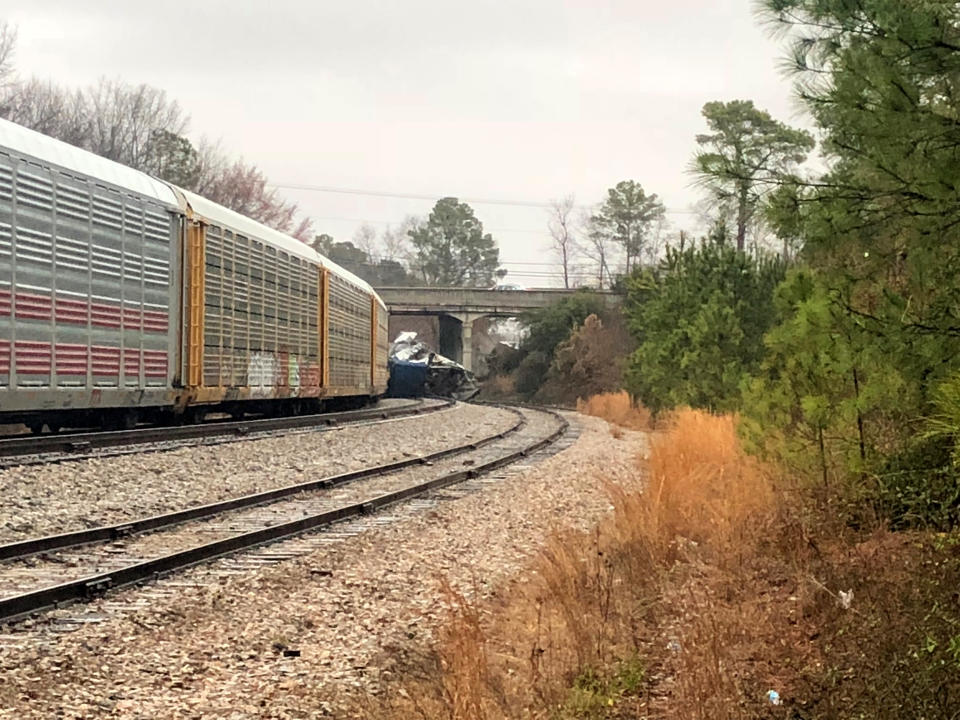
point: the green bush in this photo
(550, 326)
(919, 487)
(531, 373)
(547, 328)
(699, 319)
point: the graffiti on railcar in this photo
(309, 380)
(261, 374)
(282, 380)
(268, 372)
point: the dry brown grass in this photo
(595, 601)
(616, 408)
(696, 597)
(701, 488)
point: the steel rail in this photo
(20, 606)
(110, 533)
(72, 444)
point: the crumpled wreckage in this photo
(417, 371)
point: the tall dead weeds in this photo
(598, 596)
(617, 408)
(708, 586)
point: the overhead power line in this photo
(394, 223)
(433, 198)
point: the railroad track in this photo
(41, 449)
(46, 573)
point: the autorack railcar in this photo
(123, 298)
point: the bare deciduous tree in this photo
(656, 240)
(139, 126)
(124, 119)
(600, 249)
(365, 239)
(47, 108)
(212, 163)
(395, 242)
(243, 187)
(8, 43)
(560, 225)
(114, 119)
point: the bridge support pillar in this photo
(466, 336)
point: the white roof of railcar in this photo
(220, 215)
(71, 158)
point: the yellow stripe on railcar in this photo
(196, 236)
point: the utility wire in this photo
(397, 224)
(416, 196)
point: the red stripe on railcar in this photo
(73, 312)
(105, 360)
(32, 358)
(35, 358)
(131, 362)
(71, 359)
(154, 321)
(31, 306)
(155, 363)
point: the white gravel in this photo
(45, 499)
(350, 610)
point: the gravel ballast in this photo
(289, 640)
(45, 499)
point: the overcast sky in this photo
(519, 101)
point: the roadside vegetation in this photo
(714, 584)
(790, 548)
(790, 545)
(572, 349)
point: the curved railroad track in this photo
(41, 449)
(44, 573)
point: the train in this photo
(126, 299)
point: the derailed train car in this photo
(124, 298)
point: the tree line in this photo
(743, 163)
(696, 311)
(142, 127)
(746, 163)
(842, 357)
(837, 337)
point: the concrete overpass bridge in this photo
(444, 317)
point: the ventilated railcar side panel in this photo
(260, 329)
(86, 275)
(350, 333)
(382, 349)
